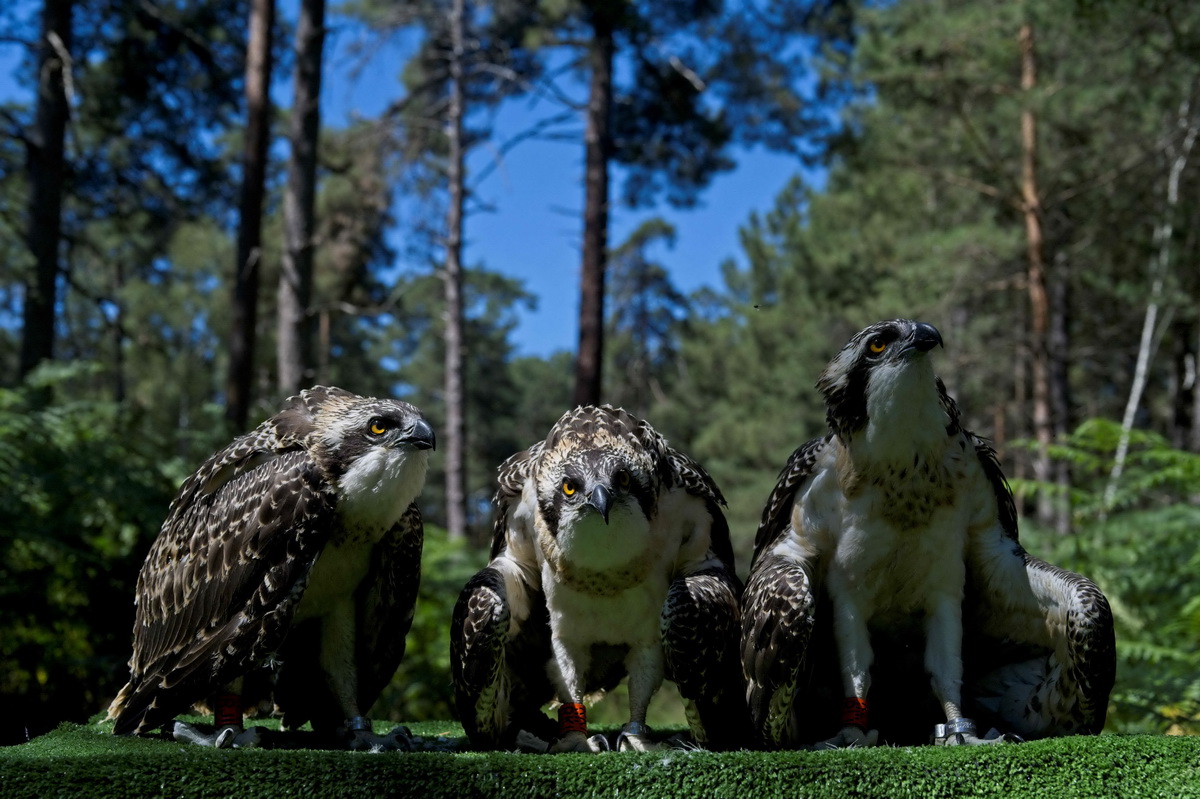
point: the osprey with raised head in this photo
(298, 546)
(889, 596)
(610, 557)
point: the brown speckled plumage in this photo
(219, 588)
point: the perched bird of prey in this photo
(610, 557)
(298, 546)
(887, 564)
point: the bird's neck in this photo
(906, 419)
(378, 487)
(598, 558)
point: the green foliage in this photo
(1141, 550)
(82, 490)
(645, 320)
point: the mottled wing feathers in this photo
(779, 609)
(478, 629)
(678, 470)
(701, 621)
(778, 511)
(1041, 649)
(499, 673)
(387, 602)
(1090, 645)
(221, 562)
(511, 477)
(1006, 508)
(1042, 645)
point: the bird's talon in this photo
(250, 738)
(360, 737)
(635, 736)
(528, 742)
(628, 742)
(850, 737)
(962, 732)
(227, 737)
(576, 741)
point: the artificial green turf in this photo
(75, 761)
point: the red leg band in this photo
(854, 712)
(228, 711)
(572, 717)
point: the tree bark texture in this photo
(455, 433)
(46, 169)
(249, 238)
(598, 138)
(1039, 304)
(1184, 394)
(294, 339)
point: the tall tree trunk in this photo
(595, 214)
(1020, 401)
(1184, 399)
(46, 168)
(1188, 124)
(249, 238)
(1060, 385)
(1194, 441)
(455, 433)
(1039, 305)
(294, 340)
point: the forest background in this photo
(184, 243)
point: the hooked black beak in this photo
(925, 337)
(420, 436)
(601, 500)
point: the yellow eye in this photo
(623, 479)
(378, 427)
(568, 488)
(877, 345)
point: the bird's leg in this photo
(645, 666)
(856, 656)
(227, 723)
(568, 667)
(943, 661)
(337, 646)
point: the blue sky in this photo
(537, 192)
(535, 231)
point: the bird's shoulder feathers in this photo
(778, 511)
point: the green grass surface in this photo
(85, 761)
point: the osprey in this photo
(610, 557)
(888, 551)
(298, 546)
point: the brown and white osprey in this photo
(889, 595)
(610, 557)
(297, 546)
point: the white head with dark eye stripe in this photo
(883, 373)
(375, 450)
